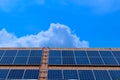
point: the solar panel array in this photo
(84, 75)
(19, 74)
(82, 57)
(20, 57)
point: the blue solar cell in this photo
(54, 60)
(116, 53)
(31, 74)
(70, 74)
(3, 73)
(80, 53)
(115, 74)
(106, 54)
(93, 53)
(20, 60)
(10, 53)
(23, 53)
(68, 60)
(109, 61)
(82, 60)
(34, 60)
(86, 75)
(96, 60)
(54, 74)
(118, 59)
(36, 53)
(15, 74)
(1, 52)
(66, 53)
(7, 60)
(101, 75)
(55, 53)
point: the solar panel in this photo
(67, 53)
(54, 61)
(116, 53)
(3, 73)
(10, 53)
(96, 61)
(55, 53)
(54, 74)
(20, 57)
(20, 60)
(7, 60)
(86, 75)
(83, 74)
(36, 53)
(1, 52)
(101, 75)
(93, 53)
(82, 61)
(68, 60)
(70, 74)
(81, 57)
(22, 53)
(31, 74)
(79, 53)
(115, 74)
(16, 74)
(34, 60)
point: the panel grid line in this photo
(15, 57)
(101, 57)
(114, 57)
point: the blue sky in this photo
(59, 23)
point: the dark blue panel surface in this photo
(109, 61)
(20, 60)
(23, 53)
(106, 54)
(68, 60)
(1, 52)
(96, 60)
(55, 75)
(115, 74)
(54, 53)
(93, 53)
(36, 53)
(3, 73)
(70, 74)
(15, 74)
(7, 60)
(116, 53)
(34, 60)
(54, 60)
(31, 74)
(86, 75)
(66, 53)
(80, 53)
(118, 59)
(101, 75)
(82, 60)
(10, 53)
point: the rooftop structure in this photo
(60, 63)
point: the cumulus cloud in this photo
(57, 35)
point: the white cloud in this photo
(57, 35)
